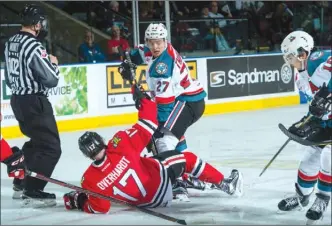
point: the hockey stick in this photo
(301, 140)
(275, 156)
(282, 147)
(98, 195)
(133, 81)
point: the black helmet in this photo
(91, 143)
(32, 15)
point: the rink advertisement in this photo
(248, 76)
(118, 90)
(90, 96)
(70, 97)
(8, 118)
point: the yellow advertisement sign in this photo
(118, 90)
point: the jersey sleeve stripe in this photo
(149, 123)
(328, 64)
(193, 92)
(145, 126)
(182, 68)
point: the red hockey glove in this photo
(148, 110)
(15, 164)
(75, 200)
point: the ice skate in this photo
(18, 191)
(38, 199)
(192, 182)
(297, 201)
(180, 192)
(233, 185)
(315, 213)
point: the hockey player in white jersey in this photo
(313, 77)
(180, 99)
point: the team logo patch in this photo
(115, 141)
(161, 68)
(43, 54)
(316, 55)
(292, 38)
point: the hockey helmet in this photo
(91, 143)
(295, 44)
(32, 15)
(155, 31)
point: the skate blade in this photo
(311, 222)
(210, 186)
(239, 187)
(17, 195)
(298, 208)
(38, 203)
(181, 198)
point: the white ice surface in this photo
(246, 141)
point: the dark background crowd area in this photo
(201, 28)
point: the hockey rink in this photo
(244, 140)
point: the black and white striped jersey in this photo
(28, 69)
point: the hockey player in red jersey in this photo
(119, 171)
(13, 158)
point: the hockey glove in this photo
(75, 200)
(15, 164)
(321, 104)
(304, 130)
(125, 70)
(138, 94)
(158, 133)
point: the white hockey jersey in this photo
(318, 71)
(169, 78)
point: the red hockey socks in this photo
(202, 170)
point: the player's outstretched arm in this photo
(80, 201)
(141, 133)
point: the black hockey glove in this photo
(305, 130)
(138, 94)
(125, 70)
(16, 164)
(321, 104)
(158, 133)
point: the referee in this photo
(30, 72)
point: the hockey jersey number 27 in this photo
(169, 78)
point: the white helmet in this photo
(155, 31)
(295, 43)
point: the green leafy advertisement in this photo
(77, 101)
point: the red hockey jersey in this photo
(6, 151)
(123, 174)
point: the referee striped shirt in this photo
(28, 69)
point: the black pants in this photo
(34, 114)
(175, 169)
(183, 116)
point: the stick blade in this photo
(183, 222)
